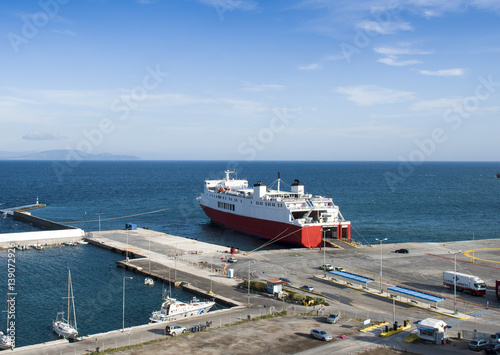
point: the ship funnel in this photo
(298, 187)
(259, 190)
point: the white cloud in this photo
(366, 95)
(263, 87)
(65, 32)
(403, 49)
(226, 5)
(435, 105)
(395, 63)
(384, 27)
(314, 66)
(48, 136)
(444, 72)
(393, 53)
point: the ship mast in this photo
(279, 181)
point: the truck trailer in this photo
(464, 282)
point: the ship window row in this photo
(269, 204)
(226, 206)
(225, 198)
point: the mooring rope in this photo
(109, 219)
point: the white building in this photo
(434, 330)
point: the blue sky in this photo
(414, 80)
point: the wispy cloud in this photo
(402, 49)
(435, 105)
(65, 32)
(384, 28)
(314, 66)
(398, 63)
(227, 5)
(367, 95)
(43, 136)
(444, 72)
(393, 54)
(263, 87)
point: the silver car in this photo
(174, 329)
(333, 318)
(477, 344)
(320, 334)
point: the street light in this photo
(249, 263)
(123, 312)
(100, 221)
(455, 281)
(324, 256)
(381, 240)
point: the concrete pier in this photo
(53, 232)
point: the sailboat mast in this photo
(69, 286)
(73, 305)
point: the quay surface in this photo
(203, 266)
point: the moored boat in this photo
(172, 309)
(67, 328)
(291, 217)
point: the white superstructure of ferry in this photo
(291, 217)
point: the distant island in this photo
(63, 155)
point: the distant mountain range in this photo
(63, 155)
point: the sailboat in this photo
(148, 281)
(6, 342)
(67, 328)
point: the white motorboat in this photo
(172, 309)
(148, 281)
(67, 328)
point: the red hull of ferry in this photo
(309, 237)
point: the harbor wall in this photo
(40, 222)
(41, 237)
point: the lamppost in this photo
(99, 214)
(250, 262)
(123, 308)
(324, 256)
(381, 240)
(455, 281)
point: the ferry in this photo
(292, 217)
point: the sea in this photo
(400, 201)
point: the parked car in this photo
(307, 288)
(232, 260)
(327, 267)
(320, 334)
(338, 268)
(492, 348)
(495, 338)
(174, 329)
(333, 318)
(286, 280)
(477, 344)
(402, 251)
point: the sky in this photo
(367, 80)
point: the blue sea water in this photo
(430, 202)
